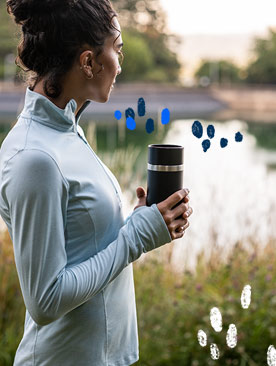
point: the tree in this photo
(149, 49)
(9, 35)
(263, 68)
(8, 32)
(141, 14)
(221, 72)
(146, 20)
(147, 59)
(138, 61)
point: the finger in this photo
(186, 199)
(173, 199)
(140, 192)
(188, 212)
(179, 235)
(186, 226)
(180, 229)
(142, 201)
(180, 210)
(179, 224)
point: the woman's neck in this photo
(66, 95)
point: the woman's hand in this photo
(176, 225)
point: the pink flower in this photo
(198, 287)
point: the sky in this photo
(220, 16)
(217, 29)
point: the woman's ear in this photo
(87, 58)
(86, 61)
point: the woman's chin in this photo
(101, 98)
(105, 98)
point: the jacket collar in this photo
(42, 110)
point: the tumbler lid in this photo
(164, 154)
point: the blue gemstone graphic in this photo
(211, 131)
(141, 107)
(141, 110)
(150, 125)
(118, 115)
(206, 145)
(130, 113)
(165, 116)
(238, 137)
(197, 129)
(130, 123)
(223, 142)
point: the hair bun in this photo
(23, 10)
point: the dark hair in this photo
(54, 33)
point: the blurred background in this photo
(208, 61)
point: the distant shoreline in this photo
(256, 103)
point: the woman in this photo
(62, 205)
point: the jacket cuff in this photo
(165, 231)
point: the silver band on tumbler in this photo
(166, 168)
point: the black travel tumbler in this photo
(165, 172)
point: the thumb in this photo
(140, 192)
(141, 195)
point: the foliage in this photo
(263, 68)
(172, 308)
(148, 46)
(166, 64)
(222, 71)
(12, 308)
(144, 22)
(8, 36)
(141, 14)
(265, 134)
(147, 58)
(138, 61)
(8, 32)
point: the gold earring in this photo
(88, 77)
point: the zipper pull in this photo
(82, 138)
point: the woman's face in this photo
(104, 78)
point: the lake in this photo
(232, 189)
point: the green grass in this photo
(171, 308)
(12, 308)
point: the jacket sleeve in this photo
(36, 194)
(128, 217)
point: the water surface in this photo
(232, 189)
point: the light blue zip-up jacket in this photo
(73, 250)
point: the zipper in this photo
(110, 179)
(82, 138)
